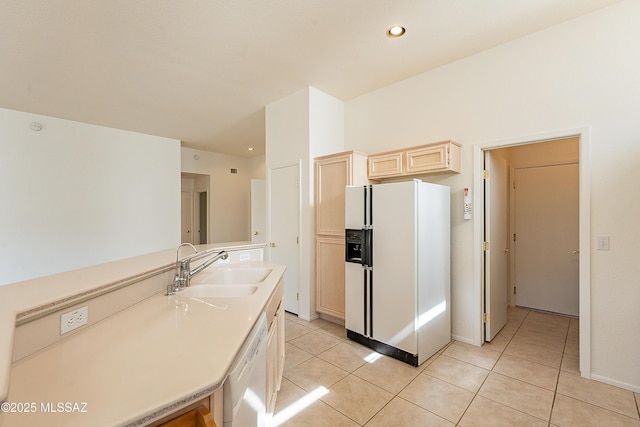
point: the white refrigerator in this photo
(397, 272)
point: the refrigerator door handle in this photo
(367, 247)
(364, 302)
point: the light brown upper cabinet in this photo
(424, 159)
(333, 173)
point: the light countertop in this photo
(137, 365)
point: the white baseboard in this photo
(462, 339)
(308, 318)
(630, 387)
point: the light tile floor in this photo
(527, 376)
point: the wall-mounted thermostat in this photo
(467, 203)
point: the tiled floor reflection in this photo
(527, 376)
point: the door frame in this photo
(583, 135)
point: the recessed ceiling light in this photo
(395, 31)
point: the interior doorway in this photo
(535, 152)
(531, 196)
(194, 218)
(201, 207)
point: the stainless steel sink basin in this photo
(232, 276)
(206, 290)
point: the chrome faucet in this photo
(183, 276)
(187, 273)
(179, 280)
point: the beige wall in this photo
(300, 127)
(75, 195)
(580, 74)
(542, 153)
(229, 200)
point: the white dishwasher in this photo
(245, 386)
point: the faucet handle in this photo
(178, 282)
(170, 289)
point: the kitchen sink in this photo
(206, 290)
(232, 276)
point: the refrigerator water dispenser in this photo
(354, 241)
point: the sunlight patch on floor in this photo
(298, 406)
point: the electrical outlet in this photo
(73, 319)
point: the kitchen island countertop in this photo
(137, 365)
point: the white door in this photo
(546, 246)
(258, 210)
(284, 215)
(497, 254)
(186, 216)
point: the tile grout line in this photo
(555, 392)
(394, 395)
(440, 353)
(485, 379)
(497, 373)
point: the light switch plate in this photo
(603, 243)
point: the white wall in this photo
(580, 73)
(229, 194)
(300, 127)
(258, 167)
(74, 195)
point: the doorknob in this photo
(506, 250)
(272, 244)
(575, 252)
(255, 233)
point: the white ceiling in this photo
(201, 71)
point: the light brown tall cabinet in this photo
(332, 174)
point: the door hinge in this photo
(486, 318)
(298, 239)
(485, 174)
(297, 296)
(514, 237)
(514, 290)
(486, 246)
